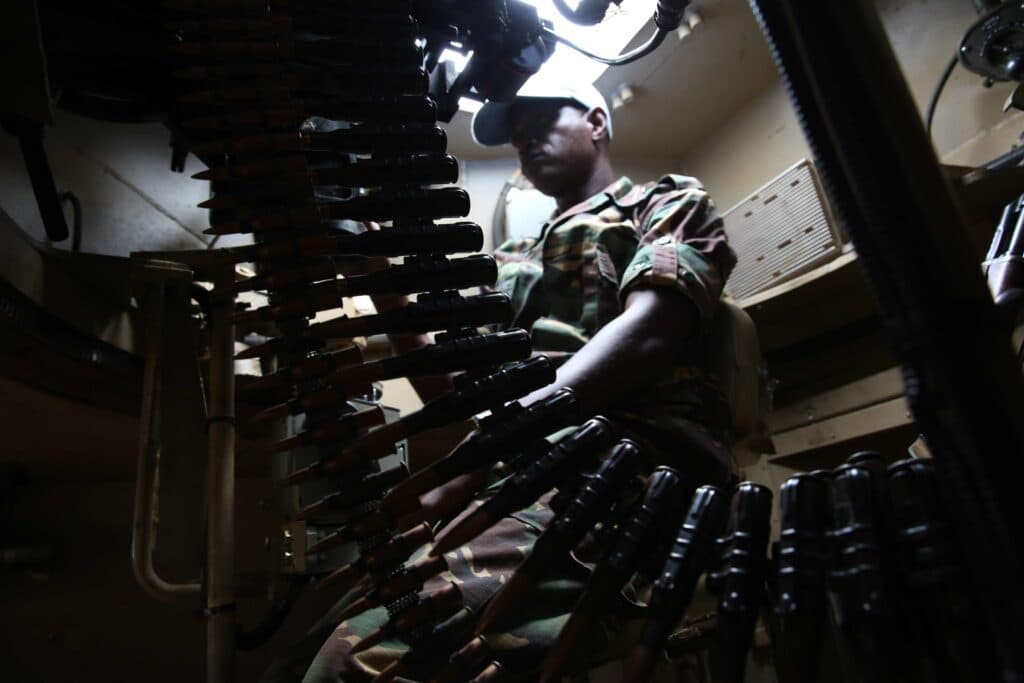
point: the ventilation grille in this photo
(782, 230)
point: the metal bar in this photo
(961, 379)
(147, 468)
(30, 135)
(220, 538)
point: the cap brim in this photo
(490, 124)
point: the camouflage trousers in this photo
(479, 569)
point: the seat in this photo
(735, 359)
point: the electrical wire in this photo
(642, 51)
(581, 15)
(930, 115)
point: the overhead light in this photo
(692, 17)
(457, 59)
(609, 37)
(691, 20)
(622, 96)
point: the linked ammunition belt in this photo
(322, 145)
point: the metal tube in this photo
(220, 537)
(147, 467)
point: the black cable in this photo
(1015, 157)
(938, 91)
(642, 51)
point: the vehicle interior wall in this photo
(121, 174)
(80, 613)
(763, 138)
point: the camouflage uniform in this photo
(566, 284)
(573, 279)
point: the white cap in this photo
(490, 123)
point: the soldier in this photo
(622, 283)
(620, 287)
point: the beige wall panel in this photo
(131, 200)
(763, 138)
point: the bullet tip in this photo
(462, 533)
(280, 410)
(405, 495)
(285, 445)
(252, 352)
(298, 476)
(390, 672)
(328, 542)
(342, 578)
(226, 229)
(310, 511)
(369, 641)
(355, 609)
(263, 383)
(511, 593)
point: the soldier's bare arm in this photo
(630, 352)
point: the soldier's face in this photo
(555, 144)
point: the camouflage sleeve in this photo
(605, 254)
(682, 244)
(521, 279)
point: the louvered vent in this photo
(782, 230)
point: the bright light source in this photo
(607, 38)
(456, 58)
(622, 95)
(459, 61)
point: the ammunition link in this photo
(403, 603)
